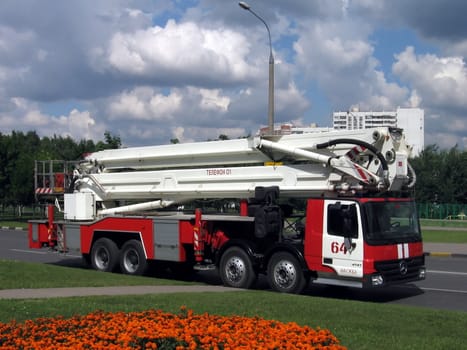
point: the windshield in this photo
(391, 222)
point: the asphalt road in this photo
(444, 288)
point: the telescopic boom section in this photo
(315, 163)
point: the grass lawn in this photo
(358, 325)
(16, 274)
(444, 236)
(444, 223)
(444, 231)
(10, 223)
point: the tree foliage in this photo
(19, 150)
(441, 175)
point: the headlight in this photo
(377, 280)
(422, 273)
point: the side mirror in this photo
(349, 218)
(348, 244)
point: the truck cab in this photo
(364, 242)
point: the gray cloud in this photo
(432, 19)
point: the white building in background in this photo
(412, 120)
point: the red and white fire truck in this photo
(316, 207)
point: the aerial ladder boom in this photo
(321, 162)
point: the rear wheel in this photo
(133, 260)
(236, 269)
(285, 274)
(104, 255)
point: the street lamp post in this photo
(247, 7)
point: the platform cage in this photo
(52, 178)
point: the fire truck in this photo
(325, 206)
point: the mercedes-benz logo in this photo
(403, 267)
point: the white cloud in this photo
(179, 52)
(208, 133)
(77, 124)
(290, 100)
(81, 125)
(127, 105)
(205, 133)
(343, 65)
(415, 100)
(210, 100)
(27, 116)
(163, 106)
(144, 103)
(35, 119)
(178, 133)
(442, 81)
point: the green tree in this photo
(441, 175)
(427, 166)
(110, 142)
(19, 151)
(3, 166)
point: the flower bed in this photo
(155, 329)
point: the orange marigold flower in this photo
(155, 329)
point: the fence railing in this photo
(442, 211)
(21, 212)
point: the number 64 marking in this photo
(337, 247)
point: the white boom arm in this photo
(344, 164)
(299, 164)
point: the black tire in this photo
(86, 260)
(104, 255)
(285, 274)
(236, 269)
(132, 259)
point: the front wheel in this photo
(285, 274)
(133, 260)
(236, 269)
(104, 255)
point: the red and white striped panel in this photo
(355, 151)
(362, 174)
(403, 251)
(43, 190)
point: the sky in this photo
(150, 71)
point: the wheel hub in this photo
(102, 258)
(235, 269)
(285, 274)
(131, 261)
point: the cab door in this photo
(342, 238)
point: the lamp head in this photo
(244, 5)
